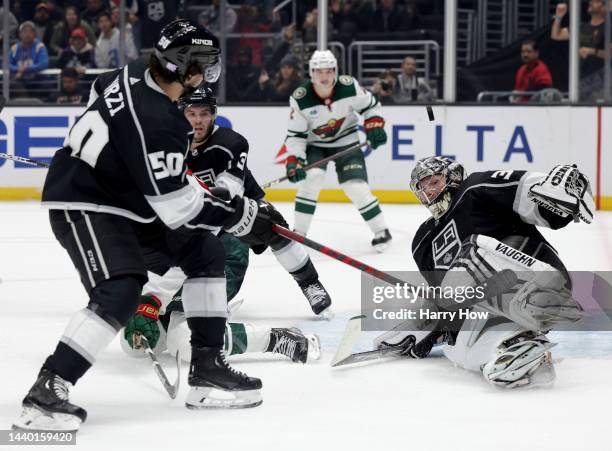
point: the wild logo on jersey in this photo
(330, 129)
(446, 246)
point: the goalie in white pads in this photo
(483, 230)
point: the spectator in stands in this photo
(249, 21)
(411, 88)
(281, 49)
(385, 87)
(107, 48)
(29, 55)
(71, 92)
(153, 15)
(62, 31)
(91, 13)
(211, 18)
(309, 27)
(241, 76)
(534, 74)
(390, 17)
(349, 17)
(286, 81)
(79, 55)
(13, 25)
(592, 50)
(130, 38)
(44, 22)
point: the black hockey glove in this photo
(255, 225)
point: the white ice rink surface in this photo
(387, 405)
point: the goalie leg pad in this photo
(539, 300)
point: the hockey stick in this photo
(140, 341)
(317, 163)
(351, 334)
(39, 164)
(430, 113)
(336, 255)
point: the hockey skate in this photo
(216, 385)
(522, 360)
(46, 406)
(292, 343)
(382, 240)
(318, 297)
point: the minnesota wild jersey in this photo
(331, 122)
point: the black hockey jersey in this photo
(222, 161)
(492, 203)
(125, 156)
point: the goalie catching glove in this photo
(565, 191)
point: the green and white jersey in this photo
(328, 123)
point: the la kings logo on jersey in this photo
(207, 176)
(446, 246)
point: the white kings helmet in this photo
(322, 59)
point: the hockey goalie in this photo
(483, 232)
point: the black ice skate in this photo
(318, 297)
(46, 406)
(382, 240)
(294, 344)
(216, 385)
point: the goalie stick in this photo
(141, 342)
(317, 163)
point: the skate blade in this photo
(314, 347)
(216, 398)
(34, 419)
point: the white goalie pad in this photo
(539, 300)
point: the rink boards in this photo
(481, 137)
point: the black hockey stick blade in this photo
(172, 389)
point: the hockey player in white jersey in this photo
(160, 318)
(323, 121)
(483, 233)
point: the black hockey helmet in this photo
(203, 96)
(183, 43)
(453, 173)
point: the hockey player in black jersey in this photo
(483, 231)
(120, 205)
(218, 156)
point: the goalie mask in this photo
(433, 180)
